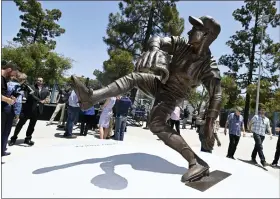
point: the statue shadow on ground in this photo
(110, 179)
(250, 162)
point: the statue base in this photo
(106, 168)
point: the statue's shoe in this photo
(195, 173)
(84, 94)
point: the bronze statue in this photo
(179, 66)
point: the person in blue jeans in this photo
(73, 114)
(235, 124)
(87, 121)
(12, 111)
(122, 107)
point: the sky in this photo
(86, 22)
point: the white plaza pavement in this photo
(141, 166)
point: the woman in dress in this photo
(105, 117)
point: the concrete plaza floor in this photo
(58, 167)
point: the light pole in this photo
(260, 63)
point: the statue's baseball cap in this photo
(207, 23)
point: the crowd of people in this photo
(112, 118)
(259, 126)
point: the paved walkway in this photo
(89, 167)
(48, 136)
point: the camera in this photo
(23, 87)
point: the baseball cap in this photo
(207, 23)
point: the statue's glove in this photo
(153, 58)
(208, 140)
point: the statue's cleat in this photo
(195, 173)
(84, 94)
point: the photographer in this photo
(7, 71)
(32, 109)
(14, 89)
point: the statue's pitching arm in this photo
(212, 82)
(214, 89)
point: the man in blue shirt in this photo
(122, 107)
(235, 123)
(73, 115)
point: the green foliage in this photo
(265, 93)
(273, 104)
(245, 44)
(119, 65)
(198, 98)
(131, 29)
(240, 101)
(37, 60)
(38, 25)
(230, 92)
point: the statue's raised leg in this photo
(197, 167)
(148, 83)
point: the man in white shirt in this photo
(175, 119)
(258, 125)
(73, 115)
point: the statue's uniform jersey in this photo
(187, 70)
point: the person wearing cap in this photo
(235, 124)
(168, 71)
(259, 125)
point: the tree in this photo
(273, 104)
(38, 25)
(245, 44)
(138, 20)
(119, 65)
(265, 92)
(230, 92)
(37, 60)
(198, 98)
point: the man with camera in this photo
(7, 71)
(32, 109)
